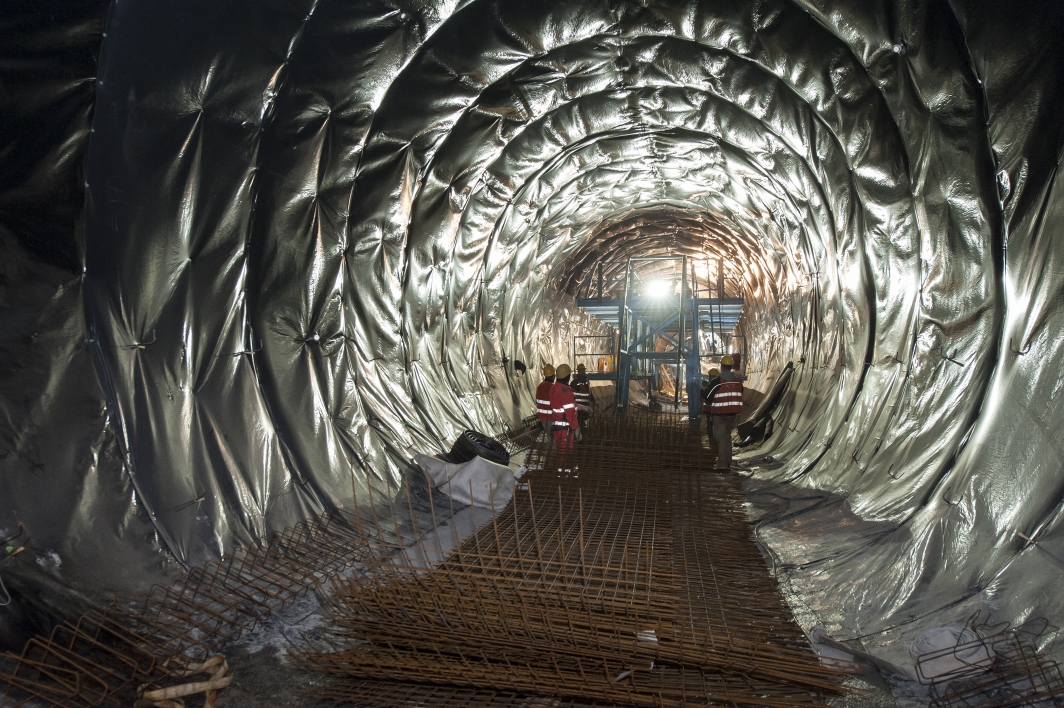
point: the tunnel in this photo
(258, 256)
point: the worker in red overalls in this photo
(544, 412)
(566, 423)
(723, 402)
(582, 393)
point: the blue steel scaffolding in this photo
(675, 326)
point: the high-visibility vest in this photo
(582, 392)
(726, 398)
(544, 411)
(563, 403)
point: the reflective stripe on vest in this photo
(563, 406)
(728, 400)
(544, 410)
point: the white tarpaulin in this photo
(477, 482)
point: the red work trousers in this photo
(564, 440)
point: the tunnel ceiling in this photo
(662, 230)
(313, 234)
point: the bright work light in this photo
(658, 288)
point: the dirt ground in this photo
(263, 680)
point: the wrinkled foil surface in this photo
(258, 255)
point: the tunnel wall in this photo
(301, 237)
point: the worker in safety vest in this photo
(544, 412)
(582, 393)
(714, 379)
(723, 402)
(566, 423)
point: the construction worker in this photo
(582, 393)
(544, 412)
(566, 424)
(714, 374)
(723, 402)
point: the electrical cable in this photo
(2, 587)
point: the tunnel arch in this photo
(342, 218)
(366, 405)
(363, 262)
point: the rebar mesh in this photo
(1015, 673)
(623, 571)
(154, 640)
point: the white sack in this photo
(477, 482)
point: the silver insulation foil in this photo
(258, 255)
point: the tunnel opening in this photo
(672, 298)
(258, 260)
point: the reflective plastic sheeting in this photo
(316, 236)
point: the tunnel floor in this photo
(623, 572)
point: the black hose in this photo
(472, 444)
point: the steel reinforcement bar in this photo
(622, 572)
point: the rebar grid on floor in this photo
(161, 638)
(622, 572)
